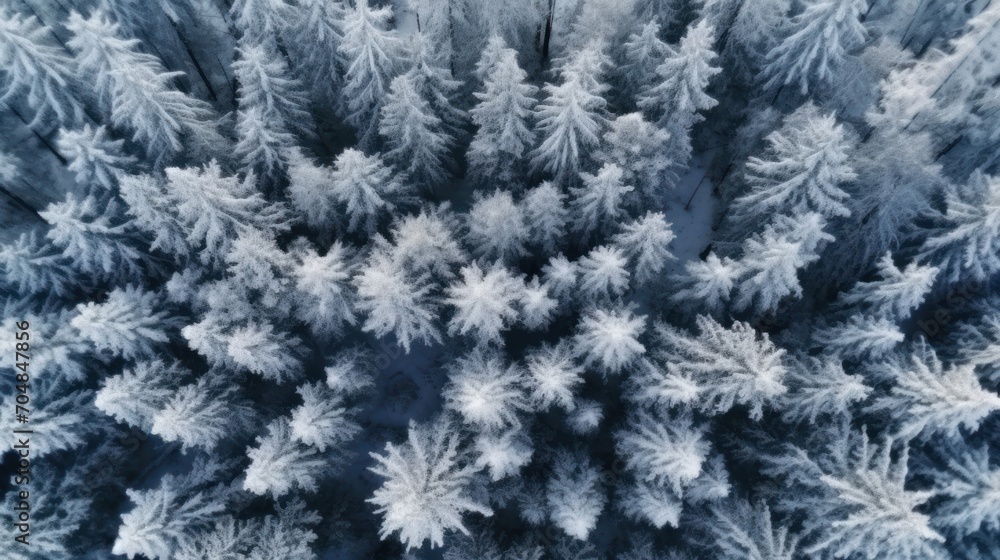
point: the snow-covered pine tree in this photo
(929, 399)
(644, 51)
(93, 239)
(279, 463)
(820, 386)
(771, 261)
(137, 394)
(553, 375)
(503, 455)
(560, 276)
(707, 283)
(817, 42)
(537, 306)
(323, 295)
(604, 274)
(715, 370)
(501, 117)
(135, 89)
(574, 494)
(31, 266)
(366, 188)
(426, 243)
(667, 450)
(571, 117)
(600, 202)
(130, 323)
(200, 414)
(271, 109)
(152, 211)
(310, 191)
(372, 54)
(61, 419)
(322, 420)
(496, 228)
(747, 30)
(735, 529)
(679, 91)
(545, 212)
(96, 159)
(214, 209)
(425, 490)
(967, 483)
(854, 501)
(485, 303)
(164, 517)
(434, 82)
(37, 71)
(261, 21)
(58, 355)
(289, 534)
(804, 169)
(895, 293)
(58, 510)
(316, 26)
(966, 246)
(640, 149)
(396, 301)
(415, 136)
(646, 243)
(261, 349)
(609, 339)
(488, 393)
(859, 337)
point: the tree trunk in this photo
(547, 37)
(197, 65)
(41, 138)
(18, 201)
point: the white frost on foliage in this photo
(821, 386)
(554, 376)
(137, 394)
(585, 417)
(856, 499)
(574, 494)
(970, 488)
(322, 420)
(496, 227)
(280, 464)
(604, 273)
(930, 399)
(425, 489)
(396, 302)
(130, 323)
(647, 501)
(503, 455)
(666, 450)
(645, 242)
(164, 517)
(896, 292)
(366, 188)
(708, 283)
(717, 369)
(859, 337)
(257, 348)
(198, 415)
(537, 306)
(323, 295)
(487, 393)
(609, 339)
(485, 303)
